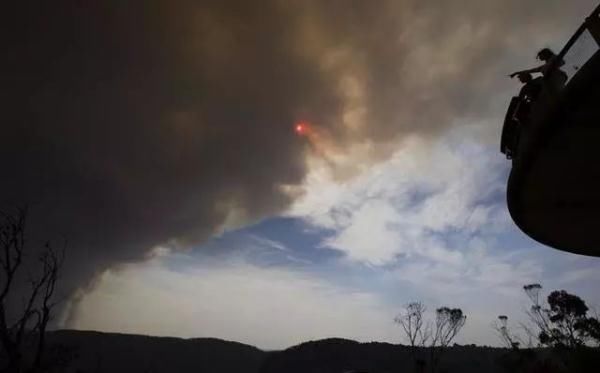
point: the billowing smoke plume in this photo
(127, 125)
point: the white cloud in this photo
(369, 237)
(270, 308)
(493, 275)
(579, 275)
(434, 212)
(401, 206)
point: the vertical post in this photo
(593, 26)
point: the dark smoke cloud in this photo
(127, 125)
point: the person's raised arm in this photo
(537, 69)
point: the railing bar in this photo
(574, 38)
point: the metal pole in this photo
(592, 22)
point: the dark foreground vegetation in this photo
(94, 352)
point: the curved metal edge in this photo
(587, 76)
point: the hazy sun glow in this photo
(301, 128)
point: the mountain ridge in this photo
(76, 351)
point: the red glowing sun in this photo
(301, 128)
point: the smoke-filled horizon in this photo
(130, 126)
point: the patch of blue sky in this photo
(279, 241)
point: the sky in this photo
(160, 141)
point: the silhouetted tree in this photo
(412, 321)
(448, 323)
(592, 327)
(537, 315)
(564, 322)
(435, 337)
(417, 332)
(25, 331)
(533, 292)
(568, 318)
(509, 339)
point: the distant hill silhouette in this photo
(96, 352)
(338, 355)
(341, 355)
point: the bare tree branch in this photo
(33, 318)
(434, 337)
(509, 339)
(413, 324)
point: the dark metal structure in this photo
(553, 191)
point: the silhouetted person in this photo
(519, 112)
(531, 87)
(528, 94)
(551, 82)
(548, 57)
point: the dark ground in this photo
(95, 352)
